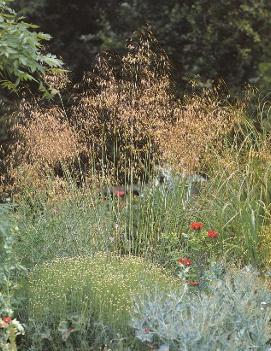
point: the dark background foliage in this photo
(206, 40)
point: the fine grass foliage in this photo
(78, 226)
(236, 199)
(265, 244)
(10, 327)
(121, 122)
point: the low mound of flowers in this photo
(102, 285)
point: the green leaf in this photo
(20, 54)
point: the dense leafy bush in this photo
(23, 60)
(21, 56)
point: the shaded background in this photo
(206, 40)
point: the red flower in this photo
(196, 225)
(212, 234)
(192, 283)
(5, 322)
(120, 193)
(184, 261)
(146, 330)
(7, 319)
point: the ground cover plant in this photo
(102, 286)
(232, 314)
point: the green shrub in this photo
(21, 57)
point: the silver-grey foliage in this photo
(169, 180)
(234, 315)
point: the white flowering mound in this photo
(102, 285)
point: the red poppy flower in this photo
(120, 193)
(192, 283)
(196, 225)
(5, 322)
(184, 261)
(147, 330)
(7, 319)
(212, 234)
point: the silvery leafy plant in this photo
(232, 314)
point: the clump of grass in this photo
(103, 285)
(86, 223)
(155, 225)
(236, 199)
(265, 245)
(120, 124)
(44, 143)
(81, 225)
(143, 222)
(133, 119)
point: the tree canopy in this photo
(206, 40)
